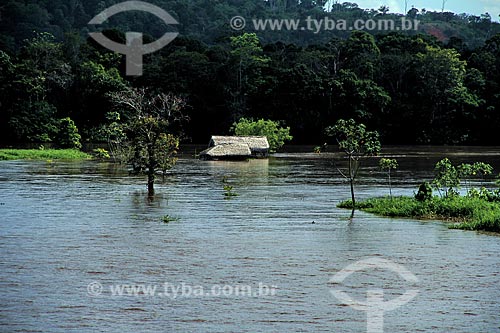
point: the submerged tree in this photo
(151, 147)
(447, 177)
(356, 142)
(388, 165)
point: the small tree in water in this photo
(446, 177)
(388, 165)
(356, 142)
(151, 148)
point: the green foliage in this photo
(356, 142)
(114, 133)
(167, 147)
(228, 189)
(484, 194)
(168, 219)
(446, 177)
(228, 192)
(468, 171)
(34, 122)
(472, 213)
(488, 220)
(388, 165)
(101, 153)
(151, 148)
(362, 54)
(43, 154)
(249, 61)
(354, 139)
(247, 48)
(68, 136)
(424, 192)
(275, 133)
(482, 169)
(441, 86)
(410, 86)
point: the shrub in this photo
(276, 135)
(68, 136)
(447, 176)
(424, 192)
(101, 153)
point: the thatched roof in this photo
(230, 150)
(255, 143)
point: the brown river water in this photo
(71, 233)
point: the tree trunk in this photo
(353, 198)
(151, 170)
(390, 185)
(351, 180)
(151, 183)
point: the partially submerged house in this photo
(236, 147)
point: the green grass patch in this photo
(466, 213)
(42, 154)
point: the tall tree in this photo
(147, 130)
(249, 59)
(444, 98)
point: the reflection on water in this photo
(65, 225)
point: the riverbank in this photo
(464, 213)
(42, 154)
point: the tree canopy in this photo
(438, 85)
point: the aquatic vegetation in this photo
(42, 154)
(168, 219)
(228, 192)
(467, 213)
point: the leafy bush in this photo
(68, 136)
(276, 135)
(447, 176)
(100, 153)
(484, 194)
(34, 122)
(468, 171)
(424, 192)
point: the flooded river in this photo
(73, 233)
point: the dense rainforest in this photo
(437, 85)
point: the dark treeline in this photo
(436, 86)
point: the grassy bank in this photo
(466, 213)
(42, 154)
